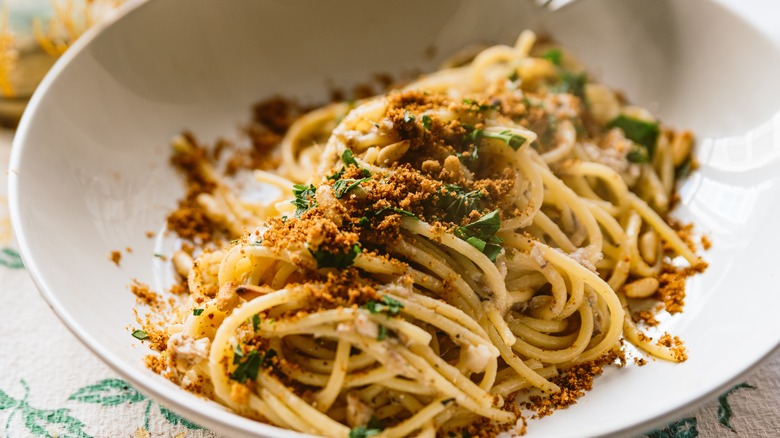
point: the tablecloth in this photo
(52, 386)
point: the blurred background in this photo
(33, 34)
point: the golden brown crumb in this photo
(706, 243)
(116, 257)
(239, 393)
(573, 382)
(144, 294)
(647, 317)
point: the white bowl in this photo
(89, 171)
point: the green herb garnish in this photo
(197, 312)
(256, 322)
(374, 427)
(343, 186)
(349, 158)
(553, 55)
(400, 211)
(477, 106)
(638, 154)
(249, 364)
(388, 305)
(481, 234)
(409, 117)
(641, 132)
(573, 83)
(427, 122)
(684, 169)
(140, 335)
(382, 333)
(304, 198)
(458, 203)
(327, 259)
(513, 140)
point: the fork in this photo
(552, 5)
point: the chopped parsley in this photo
(477, 106)
(349, 158)
(641, 132)
(476, 135)
(374, 427)
(400, 211)
(513, 140)
(140, 335)
(409, 117)
(327, 259)
(249, 364)
(197, 312)
(553, 55)
(684, 169)
(343, 186)
(256, 322)
(573, 83)
(304, 198)
(458, 203)
(388, 305)
(481, 234)
(638, 154)
(382, 333)
(427, 122)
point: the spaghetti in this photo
(430, 253)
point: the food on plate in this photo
(418, 259)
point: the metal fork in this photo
(552, 5)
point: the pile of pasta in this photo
(431, 252)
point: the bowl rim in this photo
(219, 419)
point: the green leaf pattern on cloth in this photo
(685, 428)
(109, 392)
(60, 423)
(10, 259)
(724, 408)
(41, 422)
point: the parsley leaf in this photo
(553, 55)
(478, 106)
(641, 132)
(457, 203)
(256, 322)
(573, 83)
(382, 334)
(374, 427)
(140, 335)
(638, 154)
(304, 198)
(343, 186)
(427, 122)
(409, 117)
(400, 211)
(349, 158)
(249, 364)
(197, 312)
(388, 305)
(481, 234)
(684, 169)
(513, 140)
(327, 259)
